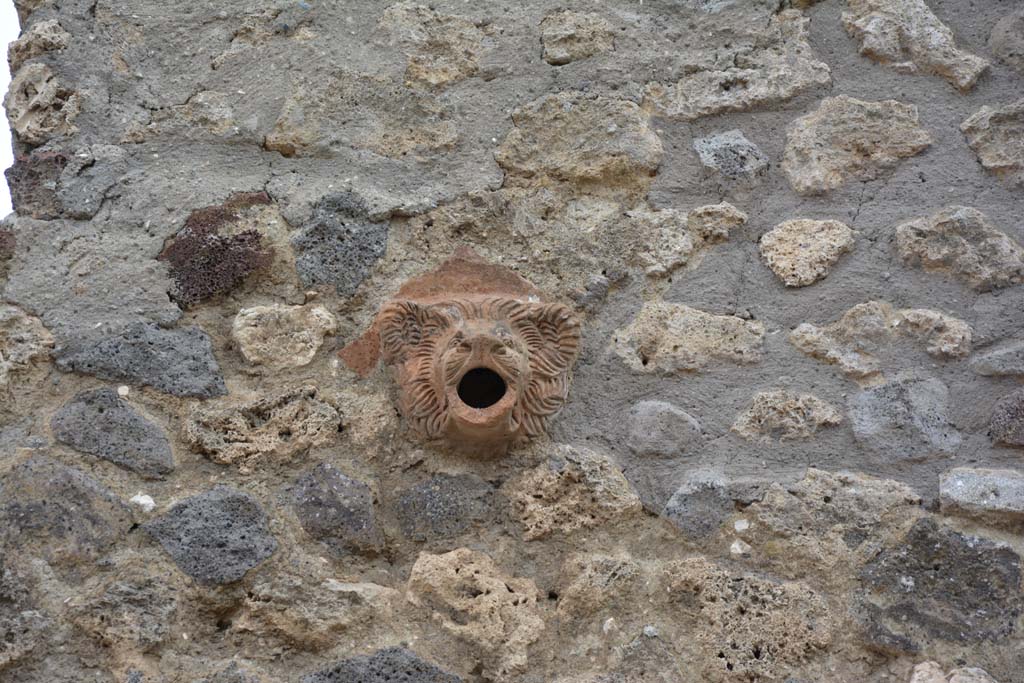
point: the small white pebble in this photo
(122, 391)
(608, 625)
(741, 525)
(738, 547)
(143, 501)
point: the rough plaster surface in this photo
(716, 502)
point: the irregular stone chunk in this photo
(773, 65)
(1007, 424)
(340, 245)
(133, 609)
(663, 430)
(750, 627)
(960, 241)
(907, 35)
(23, 342)
(33, 181)
(176, 361)
(274, 428)
(215, 536)
(704, 502)
(69, 516)
(329, 608)
(989, 495)
(39, 107)
(938, 583)
(444, 49)
(443, 506)
(803, 251)
(40, 38)
(905, 418)
(669, 338)
(63, 270)
(931, 672)
(362, 112)
(473, 599)
(579, 489)
(670, 245)
(90, 176)
(1007, 40)
(847, 139)
(591, 583)
(1002, 361)
(828, 523)
(994, 133)
(101, 423)
(576, 137)
(7, 246)
(714, 222)
(207, 258)
(279, 336)
(337, 511)
(389, 665)
(852, 341)
(569, 36)
(233, 673)
(731, 155)
(781, 414)
(23, 625)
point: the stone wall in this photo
(791, 230)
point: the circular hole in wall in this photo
(481, 388)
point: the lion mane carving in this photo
(479, 370)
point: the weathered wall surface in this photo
(792, 231)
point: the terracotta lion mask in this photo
(479, 371)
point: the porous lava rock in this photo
(176, 361)
(101, 423)
(206, 258)
(383, 666)
(215, 536)
(938, 584)
(338, 511)
(340, 245)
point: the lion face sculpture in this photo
(479, 372)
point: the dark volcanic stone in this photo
(732, 155)
(337, 510)
(176, 361)
(205, 259)
(938, 583)
(1007, 423)
(70, 515)
(100, 423)
(339, 245)
(232, 674)
(23, 625)
(702, 504)
(443, 506)
(390, 665)
(904, 418)
(661, 429)
(215, 536)
(33, 181)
